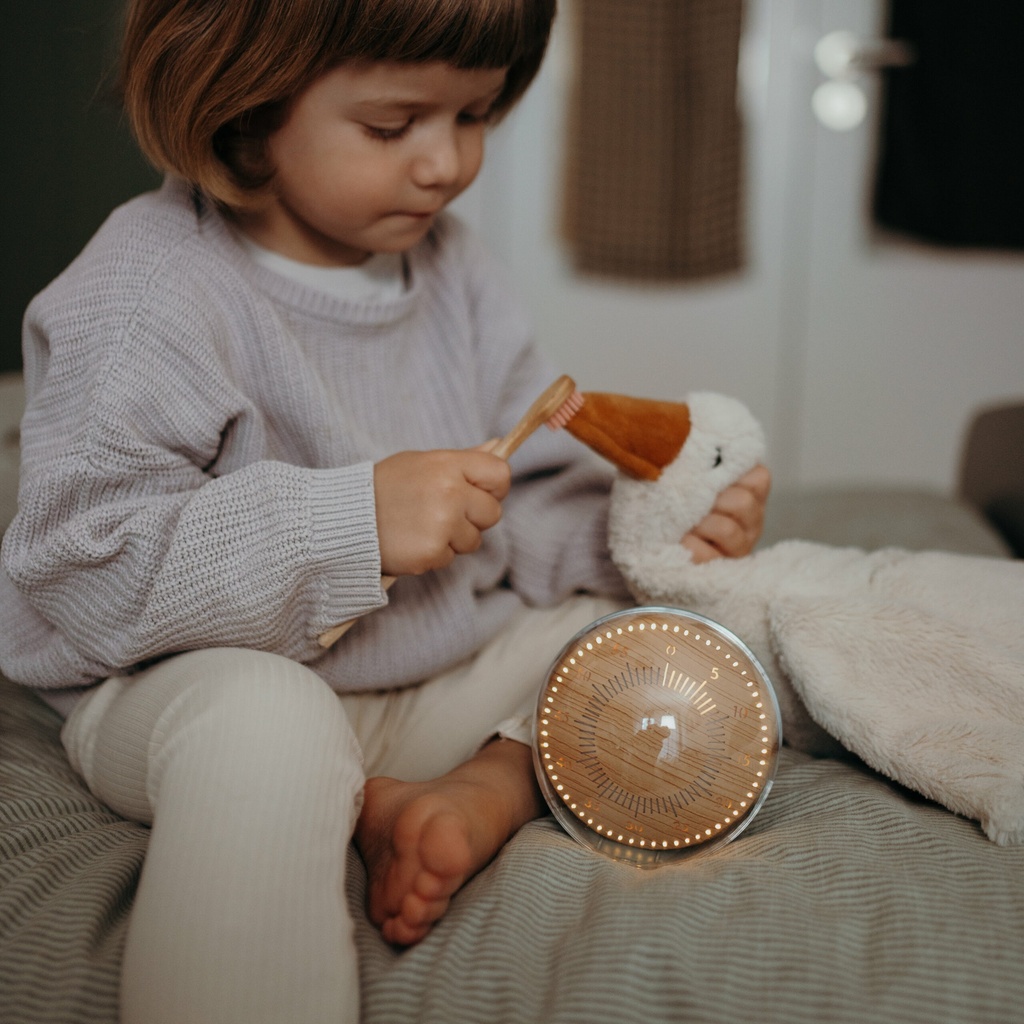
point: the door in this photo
(863, 354)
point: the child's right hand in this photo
(434, 505)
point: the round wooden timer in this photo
(657, 733)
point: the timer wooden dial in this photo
(656, 734)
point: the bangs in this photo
(467, 34)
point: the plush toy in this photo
(913, 661)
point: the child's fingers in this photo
(758, 481)
(723, 534)
(482, 509)
(735, 523)
(701, 550)
(487, 472)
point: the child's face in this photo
(369, 155)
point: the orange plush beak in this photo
(640, 436)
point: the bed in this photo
(848, 899)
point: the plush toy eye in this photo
(718, 458)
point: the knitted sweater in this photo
(198, 449)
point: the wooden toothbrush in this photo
(556, 405)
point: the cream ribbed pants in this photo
(250, 771)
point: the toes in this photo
(400, 933)
(415, 920)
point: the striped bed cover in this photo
(847, 900)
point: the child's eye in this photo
(476, 116)
(387, 133)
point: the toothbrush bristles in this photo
(566, 411)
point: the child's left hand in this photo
(733, 526)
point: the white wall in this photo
(765, 334)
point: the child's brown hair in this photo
(205, 82)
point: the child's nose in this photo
(439, 163)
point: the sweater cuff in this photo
(346, 551)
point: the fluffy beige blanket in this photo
(914, 661)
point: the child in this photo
(255, 392)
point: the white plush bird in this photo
(914, 661)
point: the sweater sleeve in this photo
(135, 536)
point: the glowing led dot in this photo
(565, 796)
(590, 647)
(551, 700)
(718, 647)
(630, 628)
(579, 654)
(572, 661)
(750, 794)
(590, 821)
(619, 838)
(743, 803)
(707, 831)
(559, 787)
(675, 842)
(630, 840)
(762, 762)
(759, 774)
(598, 639)
(718, 825)
(618, 629)
(545, 744)
(707, 643)
(642, 626)
(544, 732)
(643, 842)
(554, 689)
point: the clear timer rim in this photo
(617, 851)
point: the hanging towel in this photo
(951, 168)
(654, 166)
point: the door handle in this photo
(842, 56)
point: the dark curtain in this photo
(951, 166)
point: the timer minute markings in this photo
(590, 758)
(656, 729)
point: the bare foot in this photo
(422, 841)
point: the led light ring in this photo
(656, 734)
